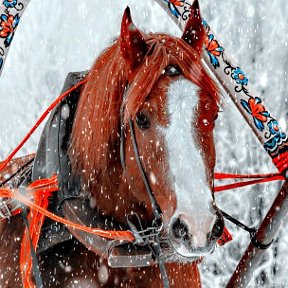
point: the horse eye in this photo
(142, 121)
(172, 70)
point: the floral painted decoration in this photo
(255, 107)
(214, 49)
(10, 3)
(274, 127)
(8, 24)
(239, 76)
(173, 4)
(10, 14)
(275, 130)
(278, 136)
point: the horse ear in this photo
(194, 33)
(132, 43)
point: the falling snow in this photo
(254, 32)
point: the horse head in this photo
(152, 89)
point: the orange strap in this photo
(41, 190)
(219, 176)
(281, 161)
(116, 235)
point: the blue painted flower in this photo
(205, 24)
(239, 76)
(10, 3)
(214, 50)
(1, 63)
(8, 24)
(278, 136)
(275, 129)
(254, 107)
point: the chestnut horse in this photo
(155, 85)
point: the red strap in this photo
(262, 178)
(225, 238)
(281, 161)
(41, 189)
(116, 235)
(219, 175)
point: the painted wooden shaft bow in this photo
(236, 84)
(10, 13)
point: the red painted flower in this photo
(214, 50)
(255, 107)
(177, 3)
(8, 24)
(7, 27)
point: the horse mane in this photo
(96, 129)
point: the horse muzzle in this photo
(190, 240)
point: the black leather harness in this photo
(51, 158)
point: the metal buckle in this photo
(143, 236)
(139, 253)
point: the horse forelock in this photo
(166, 50)
(96, 129)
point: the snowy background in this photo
(57, 37)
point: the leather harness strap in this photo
(52, 157)
(156, 248)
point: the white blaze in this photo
(185, 162)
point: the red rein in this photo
(258, 178)
(40, 191)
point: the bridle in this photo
(151, 235)
(157, 221)
(154, 232)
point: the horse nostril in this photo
(180, 229)
(218, 227)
